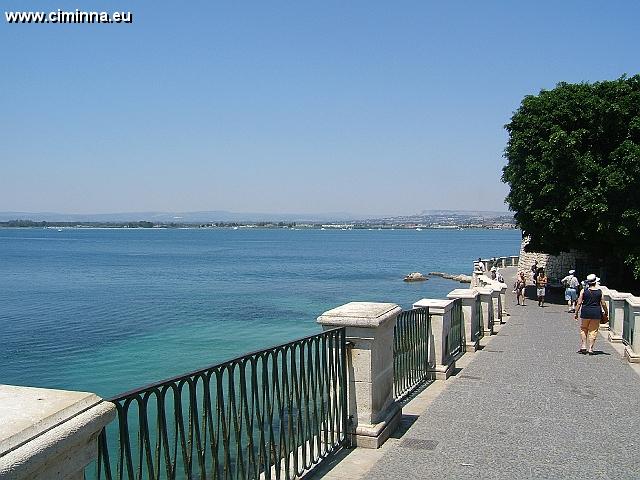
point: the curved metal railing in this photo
(455, 338)
(269, 414)
(411, 347)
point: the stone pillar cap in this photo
(27, 412)
(619, 295)
(463, 293)
(360, 314)
(633, 301)
(484, 290)
(432, 303)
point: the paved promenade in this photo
(527, 406)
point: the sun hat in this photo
(591, 278)
(493, 269)
(571, 272)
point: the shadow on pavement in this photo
(554, 296)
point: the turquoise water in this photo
(110, 310)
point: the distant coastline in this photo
(431, 219)
(264, 225)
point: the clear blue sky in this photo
(368, 107)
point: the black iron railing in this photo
(411, 348)
(271, 414)
(612, 316)
(454, 345)
(477, 328)
(627, 324)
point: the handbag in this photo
(605, 317)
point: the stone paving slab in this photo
(528, 406)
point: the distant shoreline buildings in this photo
(439, 220)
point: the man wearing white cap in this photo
(571, 283)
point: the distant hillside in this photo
(467, 213)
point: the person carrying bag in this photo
(592, 310)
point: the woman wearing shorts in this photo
(590, 307)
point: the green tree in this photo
(574, 169)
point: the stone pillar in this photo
(486, 304)
(371, 405)
(495, 301)
(616, 314)
(440, 313)
(632, 351)
(502, 292)
(469, 298)
(475, 278)
(49, 434)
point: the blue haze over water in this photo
(110, 310)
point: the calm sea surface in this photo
(109, 310)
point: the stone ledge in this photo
(26, 412)
(60, 452)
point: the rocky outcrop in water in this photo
(415, 277)
(458, 278)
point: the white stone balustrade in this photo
(499, 262)
(49, 434)
(440, 313)
(485, 297)
(469, 298)
(616, 314)
(371, 406)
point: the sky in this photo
(367, 107)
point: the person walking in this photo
(590, 307)
(541, 286)
(520, 285)
(571, 283)
(534, 271)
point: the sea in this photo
(110, 310)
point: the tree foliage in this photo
(574, 169)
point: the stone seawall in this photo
(555, 266)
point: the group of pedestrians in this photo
(540, 280)
(588, 305)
